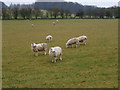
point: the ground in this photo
(92, 66)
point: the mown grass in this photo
(92, 66)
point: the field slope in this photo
(92, 66)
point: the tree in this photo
(4, 13)
(28, 13)
(62, 13)
(42, 13)
(47, 14)
(67, 13)
(80, 13)
(108, 13)
(95, 13)
(50, 11)
(101, 13)
(23, 13)
(15, 12)
(36, 13)
(55, 12)
(116, 11)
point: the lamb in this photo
(55, 52)
(33, 25)
(53, 23)
(57, 21)
(39, 47)
(82, 39)
(49, 38)
(72, 41)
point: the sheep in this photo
(33, 25)
(53, 23)
(49, 38)
(57, 21)
(55, 52)
(72, 41)
(82, 39)
(39, 47)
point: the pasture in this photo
(92, 66)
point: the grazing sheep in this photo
(72, 41)
(53, 23)
(33, 25)
(49, 38)
(82, 39)
(57, 21)
(55, 52)
(39, 47)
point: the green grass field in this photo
(92, 66)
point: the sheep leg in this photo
(84, 42)
(55, 59)
(61, 57)
(45, 53)
(76, 45)
(36, 54)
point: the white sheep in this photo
(39, 47)
(53, 23)
(49, 38)
(33, 25)
(55, 52)
(82, 39)
(72, 41)
(57, 21)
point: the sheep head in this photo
(33, 45)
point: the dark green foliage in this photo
(28, 13)
(6, 13)
(15, 12)
(23, 13)
(80, 13)
(67, 13)
(58, 10)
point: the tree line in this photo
(35, 13)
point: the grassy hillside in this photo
(92, 66)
